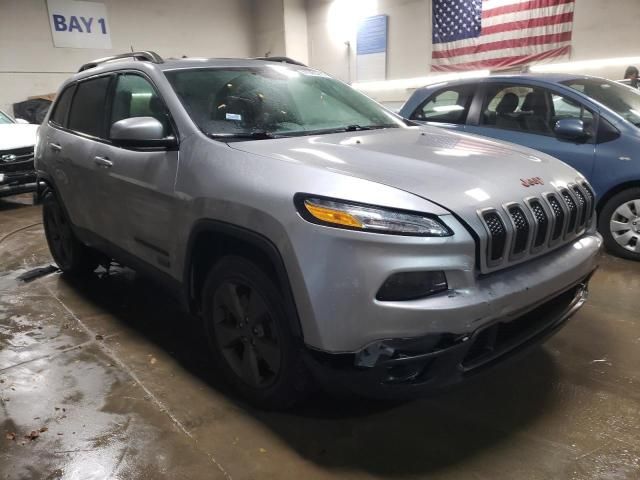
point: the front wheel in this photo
(68, 252)
(619, 224)
(249, 334)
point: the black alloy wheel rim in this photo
(246, 333)
(59, 233)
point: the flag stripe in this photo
(496, 37)
(490, 4)
(502, 44)
(503, 62)
(528, 23)
(512, 52)
(529, 14)
(519, 7)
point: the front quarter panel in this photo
(256, 193)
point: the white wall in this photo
(30, 64)
(269, 39)
(295, 30)
(602, 29)
(605, 29)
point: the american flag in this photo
(499, 34)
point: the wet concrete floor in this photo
(107, 379)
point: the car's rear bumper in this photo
(400, 368)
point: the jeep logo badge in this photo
(530, 182)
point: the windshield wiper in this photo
(256, 135)
(348, 128)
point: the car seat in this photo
(538, 120)
(505, 110)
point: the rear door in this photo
(138, 183)
(447, 107)
(71, 144)
(526, 114)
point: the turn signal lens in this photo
(368, 218)
(330, 215)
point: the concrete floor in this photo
(115, 382)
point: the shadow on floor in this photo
(16, 202)
(416, 437)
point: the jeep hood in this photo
(458, 171)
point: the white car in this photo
(17, 140)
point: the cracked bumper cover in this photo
(407, 367)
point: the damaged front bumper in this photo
(398, 368)
(17, 172)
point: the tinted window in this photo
(59, 115)
(606, 131)
(136, 97)
(4, 118)
(87, 111)
(447, 106)
(530, 109)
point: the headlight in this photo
(352, 216)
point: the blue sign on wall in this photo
(372, 35)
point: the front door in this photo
(447, 107)
(139, 194)
(526, 114)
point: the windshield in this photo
(274, 100)
(4, 118)
(623, 100)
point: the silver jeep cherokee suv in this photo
(320, 237)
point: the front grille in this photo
(558, 213)
(498, 234)
(582, 205)
(573, 209)
(591, 198)
(16, 160)
(522, 229)
(535, 225)
(543, 223)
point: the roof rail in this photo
(147, 56)
(281, 60)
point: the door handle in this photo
(103, 162)
(55, 147)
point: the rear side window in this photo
(87, 110)
(446, 106)
(61, 109)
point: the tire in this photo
(68, 252)
(250, 337)
(619, 224)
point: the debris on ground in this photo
(33, 435)
(31, 275)
(10, 435)
(99, 337)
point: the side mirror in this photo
(571, 129)
(141, 132)
(22, 121)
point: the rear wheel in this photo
(619, 224)
(68, 252)
(249, 334)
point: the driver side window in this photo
(135, 97)
(446, 106)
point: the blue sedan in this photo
(590, 123)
